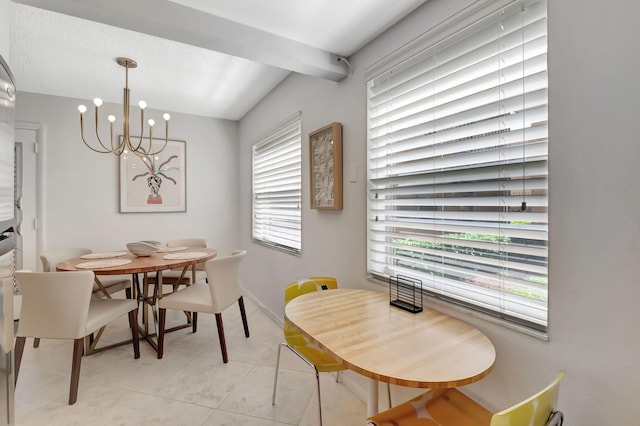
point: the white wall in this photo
(81, 198)
(4, 30)
(594, 219)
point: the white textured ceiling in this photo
(211, 58)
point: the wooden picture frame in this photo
(154, 183)
(325, 159)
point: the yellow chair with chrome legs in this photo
(450, 407)
(315, 357)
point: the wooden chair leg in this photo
(75, 370)
(18, 351)
(133, 323)
(161, 322)
(36, 342)
(243, 314)
(194, 321)
(223, 344)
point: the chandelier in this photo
(125, 144)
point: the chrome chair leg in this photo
(309, 363)
(319, 399)
(275, 379)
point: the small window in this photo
(277, 187)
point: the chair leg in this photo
(36, 342)
(18, 351)
(223, 344)
(133, 323)
(319, 399)
(194, 321)
(275, 378)
(243, 314)
(161, 322)
(75, 370)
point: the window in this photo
(277, 187)
(457, 167)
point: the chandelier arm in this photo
(126, 143)
(106, 151)
(139, 144)
(166, 140)
(119, 149)
(98, 135)
(141, 129)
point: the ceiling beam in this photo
(172, 21)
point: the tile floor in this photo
(189, 386)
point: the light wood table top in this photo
(361, 330)
(153, 263)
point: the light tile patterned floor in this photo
(189, 386)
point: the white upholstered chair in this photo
(58, 305)
(172, 277)
(223, 289)
(51, 258)
(113, 284)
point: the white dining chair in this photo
(111, 285)
(58, 305)
(172, 277)
(223, 289)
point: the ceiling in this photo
(210, 58)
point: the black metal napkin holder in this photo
(405, 293)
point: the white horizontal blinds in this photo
(457, 140)
(277, 183)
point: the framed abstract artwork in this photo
(154, 183)
(325, 154)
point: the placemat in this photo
(104, 263)
(106, 255)
(184, 256)
(170, 249)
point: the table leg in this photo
(101, 287)
(372, 398)
(157, 295)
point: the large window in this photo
(277, 187)
(457, 166)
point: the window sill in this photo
(451, 308)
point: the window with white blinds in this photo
(277, 187)
(457, 167)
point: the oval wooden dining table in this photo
(157, 262)
(360, 330)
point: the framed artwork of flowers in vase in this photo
(154, 183)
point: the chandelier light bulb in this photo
(111, 118)
(142, 104)
(166, 116)
(82, 109)
(151, 122)
(97, 102)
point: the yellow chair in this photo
(315, 357)
(450, 407)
